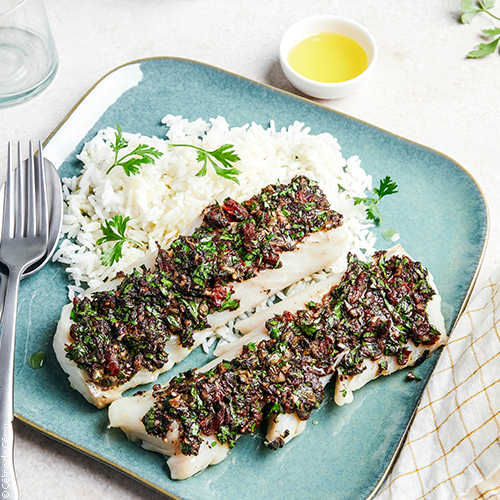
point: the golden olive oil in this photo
(328, 57)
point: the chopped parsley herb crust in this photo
(375, 310)
(116, 333)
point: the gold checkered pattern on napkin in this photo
(453, 446)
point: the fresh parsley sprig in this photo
(114, 230)
(221, 159)
(131, 162)
(469, 11)
(386, 187)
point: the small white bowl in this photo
(332, 24)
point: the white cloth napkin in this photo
(453, 447)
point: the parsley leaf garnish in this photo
(469, 11)
(221, 160)
(114, 230)
(386, 187)
(131, 162)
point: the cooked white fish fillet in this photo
(318, 251)
(345, 385)
(127, 413)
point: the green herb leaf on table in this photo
(386, 187)
(485, 49)
(131, 162)
(469, 11)
(221, 159)
(114, 230)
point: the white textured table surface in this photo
(424, 89)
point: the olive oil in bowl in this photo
(328, 57)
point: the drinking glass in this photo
(28, 56)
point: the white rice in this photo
(164, 199)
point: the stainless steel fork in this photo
(24, 241)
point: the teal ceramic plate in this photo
(344, 451)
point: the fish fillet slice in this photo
(345, 385)
(287, 426)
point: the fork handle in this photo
(10, 489)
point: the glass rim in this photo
(11, 9)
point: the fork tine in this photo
(31, 208)
(17, 201)
(7, 211)
(41, 195)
